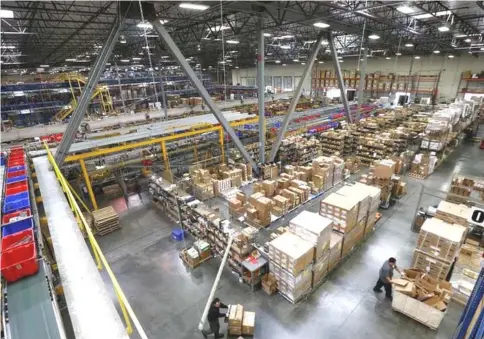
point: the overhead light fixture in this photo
(267, 34)
(321, 25)
(341, 61)
(163, 21)
(468, 40)
(324, 43)
(122, 39)
(137, 59)
(451, 56)
(283, 64)
(321, 62)
(6, 14)
(436, 52)
(482, 48)
(405, 9)
(277, 61)
(218, 28)
(398, 54)
(285, 46)
(45, 66)
(196, 7)
(124, 60)
(146, 25)
(233, 42)
(444, 28)
(388, 58)
(296, 60)
(236, 66)
(71, 60)
(409, 45)
(8, 46)
(374, 37)
(303, 63)
(416, 57)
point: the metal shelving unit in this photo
(471, 323)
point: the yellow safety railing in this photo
(101, 261)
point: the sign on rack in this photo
(476, 216)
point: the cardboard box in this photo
(248, 323)
(438, 269)
(353, 237)
(335, 247)
(254, 197)
(362, 196)
(235, 317)
(320, 269)
(269, 283)
(384, 169)
(440, 239)
(269, 187)
(292, 286)
(291, 252)
(314, 228)
(342, 210)
(453, 213)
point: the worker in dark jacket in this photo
(385, 277)
(212, 317)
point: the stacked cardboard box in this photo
(235, 318)
(268, 171)
(281, 205)
(335, 248)
(236, 207)
(437, 246)
(453, 213)
(259, 211)
(374, 203)
(362, 196)
(342, 210)
(290, 262)
(248, 323)
(202, 184)
(353, 237)
(320, 269)
(323, 167)
(221, 186)
(338, 172)
(269, 283)
(314, 228)
(269, 187)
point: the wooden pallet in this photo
(416, 176)
(183, 258)
(105, 220)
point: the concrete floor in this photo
(168, 298)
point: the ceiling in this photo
(49, 32)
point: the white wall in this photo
(426, 65)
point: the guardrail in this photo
(101, 261)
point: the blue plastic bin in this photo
(15, 168)
(15, 179)
(16, 202)
(178, 234)
(2, 161)
(17, 226)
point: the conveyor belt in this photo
(31, 310)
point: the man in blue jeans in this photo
(212, 317)
(385, 277)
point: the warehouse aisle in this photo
(168, 298)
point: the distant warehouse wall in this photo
(427, 65)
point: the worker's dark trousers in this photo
(214, 328)
(386, 285)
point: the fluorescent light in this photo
(235, 67)
(451, 56)
(409, 45)
(467, 40)
(340, 57)
(163, 21)
(482, 48)
(267, 34)
(283, 64)
(398, 53)
(436, 52)
(137, 58)
(123, 40)
(444, 28)
(303, 63)
(18, 93)
(285, 46)
(324, 43)
(218, 28)
(233, 42)
(144, 25)
(405, 9)
(278, 61)
(197, 7)
(374, 37)
(321, 62)
(341, 61)
(6, 14)
(388, 58)
(296, 60)
(417, 57)
(8, 46)
(71, 60)
(429, 15)
(45, 66)
(124, 60)
(320, 25)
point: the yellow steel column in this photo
(165, 155)
(88, 184)
(221, 141)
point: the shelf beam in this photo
(361, 84)
(173, 48)
(295, 98)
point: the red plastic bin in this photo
(19, 262)
(20, 162)
(16, 187)
(7, 218)
(17, 239)
(16, 174)
(17, 153)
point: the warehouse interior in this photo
(278, 155)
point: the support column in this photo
(361, 84)
(221, 141)
(261, 90)
(339, 77)
(93, 79)
(87, 181)
(171, 46)
(295, 98)
(163, 97)
(408, 82)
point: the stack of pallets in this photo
(106, 220)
